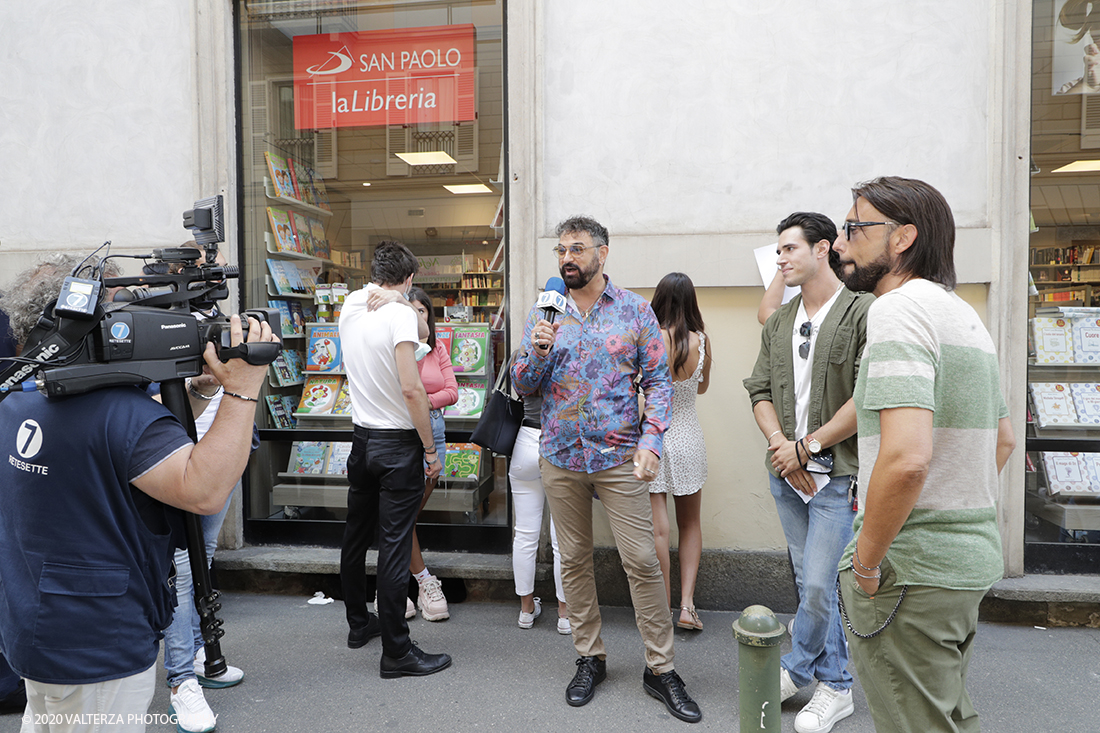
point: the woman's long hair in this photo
(677, 311)
(420, 296)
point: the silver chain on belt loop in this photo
(873, 634)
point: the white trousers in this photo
(118, 706)
(528, 500)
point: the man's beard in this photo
(580, 278)
(865, 279)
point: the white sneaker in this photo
(189, 706)
(787, 687)
(432, 602)
(527, 620)
(563, 626)
(824, 709)
(231, 676)
(410, 609)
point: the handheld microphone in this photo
(552, 299)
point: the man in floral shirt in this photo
(594, 441)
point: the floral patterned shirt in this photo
(590, 419)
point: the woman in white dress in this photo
(683, 469)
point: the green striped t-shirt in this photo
(927, 348)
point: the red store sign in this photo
(375, 78)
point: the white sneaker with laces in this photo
(189, 706)
(231, 676)
(563, 626)
(824, 709)
(787, 687)
(410, 609)
(527, 620)
(432, 602)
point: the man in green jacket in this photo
(801, 391)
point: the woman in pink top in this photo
(439, 382)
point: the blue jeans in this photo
(439, 434)
(817, 534)
(183, 637)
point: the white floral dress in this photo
(683, 466)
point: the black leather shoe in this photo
(591, 671)
(359, 637)
(669, 689)
(416, 663)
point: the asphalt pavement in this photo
(300, 676)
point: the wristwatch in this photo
(813, 444)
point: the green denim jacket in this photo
(837, 353)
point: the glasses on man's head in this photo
(849, 227)
(805, 331)
(574, 249)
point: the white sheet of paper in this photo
(766, 261)
(820, 479)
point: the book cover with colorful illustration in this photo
(290, 404)
(278, 411)
(302, 233)
(285, 241)
(444, 335)
(319, 394)
(307, 457)
(338, 459)
(286, 322)
(320, 242)
(472, 392)
(279, 277)
(463, 461)
(323, 350)
(297, 318)
(320, 194)
(343, 400)
(470, 350)
(280, 175)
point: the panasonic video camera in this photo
(154, 329)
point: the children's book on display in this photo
(283, 229)
(323, 353)
(1053, 404)
(338, 459)
(463, 462)
(307, 457)
(470, 350)
(319, 394)
(472, 393)
(1053, 340)
(281, 179)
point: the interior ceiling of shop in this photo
(1057, 199)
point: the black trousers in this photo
(386, 473)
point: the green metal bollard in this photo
(759, 633)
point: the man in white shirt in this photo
(392, 451)
(801, 391)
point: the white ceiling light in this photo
(1079, 166)
(366, 183)
(469, 188)
(436, 157)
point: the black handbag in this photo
(500, 420)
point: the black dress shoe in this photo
(359, 637)
(591, 671)
(416, 663)
(669, 689)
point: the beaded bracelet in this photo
(856, 560)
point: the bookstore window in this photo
(1062, 492)
(364, 122)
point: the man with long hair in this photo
(934, 433)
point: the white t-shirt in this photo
(368, 340)
(803, 368)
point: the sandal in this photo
(694, 623)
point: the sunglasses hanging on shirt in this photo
(805, 331)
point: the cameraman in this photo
(85, 546)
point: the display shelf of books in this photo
(319, 399)
(1063, 427)
(316, 475)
